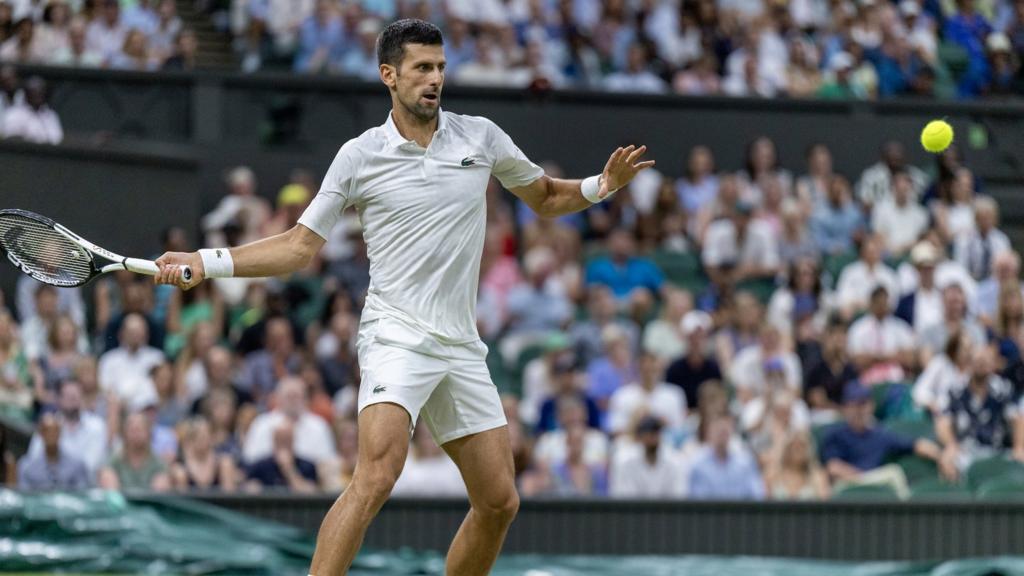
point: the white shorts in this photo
(448, 383)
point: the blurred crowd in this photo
(859, 49)
(767, 333)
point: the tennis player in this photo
(418, 183)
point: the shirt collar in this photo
(395, 138)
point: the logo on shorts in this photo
(468, 161)
(378, 389)
(219, 255)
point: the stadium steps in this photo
(215, 51)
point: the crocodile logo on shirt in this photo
(468, 161)
(378, 389)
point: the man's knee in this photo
(375, 482)
(500, 508)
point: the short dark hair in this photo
(391, 42)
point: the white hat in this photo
(695, 320)
(998, 42)
(910, 8)
(925, 254)
(841, 61)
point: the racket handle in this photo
(186, 273)
(150, 268)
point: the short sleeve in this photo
(336, 193)
(511, 167)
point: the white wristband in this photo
(217, 263)
(591, 186)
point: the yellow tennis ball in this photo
(937, 136)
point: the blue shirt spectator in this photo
(621, 270)
(837, 223)
(969, 30)
(321, 41)
(724, 472)
(52, 468)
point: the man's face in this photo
(49, 430)
(954, 301)
(901, 188)
(880, 304)
(70, 399)
(417, 80)
(858, 414)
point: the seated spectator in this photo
(170, 403)
(34, 120)
(587, 335)
(651, 472)
(134, 55)
(953, 210)
(898, 219)
(183, 56)
(662, 336)
(1005, 270)
(881, 345)
(25, 47)
(135, 296)
(200, 467)
(740, 326)
(219, 407)
(360, 59)
(241, 200)
(282, 469)
(314, 440)
(634, 280)
(801, 304)
(793, 473)
(922, 308)
(536, 307)
(739, 248)
(428, 471)
(836, 224)
(336, 354)
(945, 374)
(610, 372)
(859, 280)
(53, 468)
(105, 34)
(955, 318)
(16, 375)
(165, 39)
(977, 249)
(78, 53)
(552, 446)
(825, 381)
(321, 39)
(136, 467)
(762, 169)
(855, 452)
(141, 16)
(575, 476)
(876, 182)
(721, 471)
(699, 187)
(767, 419)
(124, 371)
(65, 350)
(968, 29)
(35, 330)
(336, 474)
(637, 76)
(1008, 328)
(539, 378)
(698, 365)
(749, 371)
(980, 420)
(83, 433)
(265, 368)
(565, 384)
(812, 188)
(795, 240)
(648, 395)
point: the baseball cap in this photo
(924, 254)
(855, 392)
(695, 320)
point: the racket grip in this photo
(186, 273)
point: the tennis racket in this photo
(54, 255)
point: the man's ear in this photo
(389, 75)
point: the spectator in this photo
(165, 39)
(241, 207)
(976, 250)
(171, 402)
(34, 120)
(944, 375)
(859, 279)
(881, 345)
(587, 335)
(283, 468)
(980, 420)
(840, 81)
(54, 468)
(968, 30)
(836, 224)
(662, 336)
(25, 47)
(37, 329)
(64, 352)
(124, 371)
(565, 382)
(200, 467)
(184, 55)
(794, 473)
(336, 474)
(721, 471)
(802, 301)
(428, 471)
(536, 307)
(795, 242)
(825, 381)
(898, 219)
(812, 188)
(83, 433)
(922, 308)
(691, 371)
(648, 395)
(610, 372)
(314, 441)
(750, 370)
(265, 368)
(955, 318)
(78, 53)
(876, 182)
(134, 55)
(637, 76)
(142, 17)
(1005, 271)
(742, 318)
(575, 476)
(16, 375)
(650, 472)
(634, 280)
(552, 447)
(105, 34)
(699, 187)
(136, 467)
(321, 39)
(737, 249)
(219, 408)
(954, 213)
(855, 451)
(1008, 328)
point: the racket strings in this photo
(44, 253)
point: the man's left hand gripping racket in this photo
(54, 255)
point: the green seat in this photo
(761, 288)
(918, 469)
(867, 493)
(938, 489)
(683, 269)
(833, 266)
(983, 471)
(892, 400)
(911, 428)
(1009, 489)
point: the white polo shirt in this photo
(423, 213)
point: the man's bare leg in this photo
(485, 460)
(383, 445)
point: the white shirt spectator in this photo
(736, 477)
(664, 401)
(313, 438)
(643, 81)
(885, 337)
(552, 448)
(857, 281)
(928, 309)
(940, 377)
(105, 40)
(27, 9)
(900, 226)
(40, 126)
(479, 11)
(976, 253)
(875, 183)
(748, 373)
(35, 338)
(69, 300)
(126, 373)
(432, 476)
(86, 439)
(721, 246)
(634, 477)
